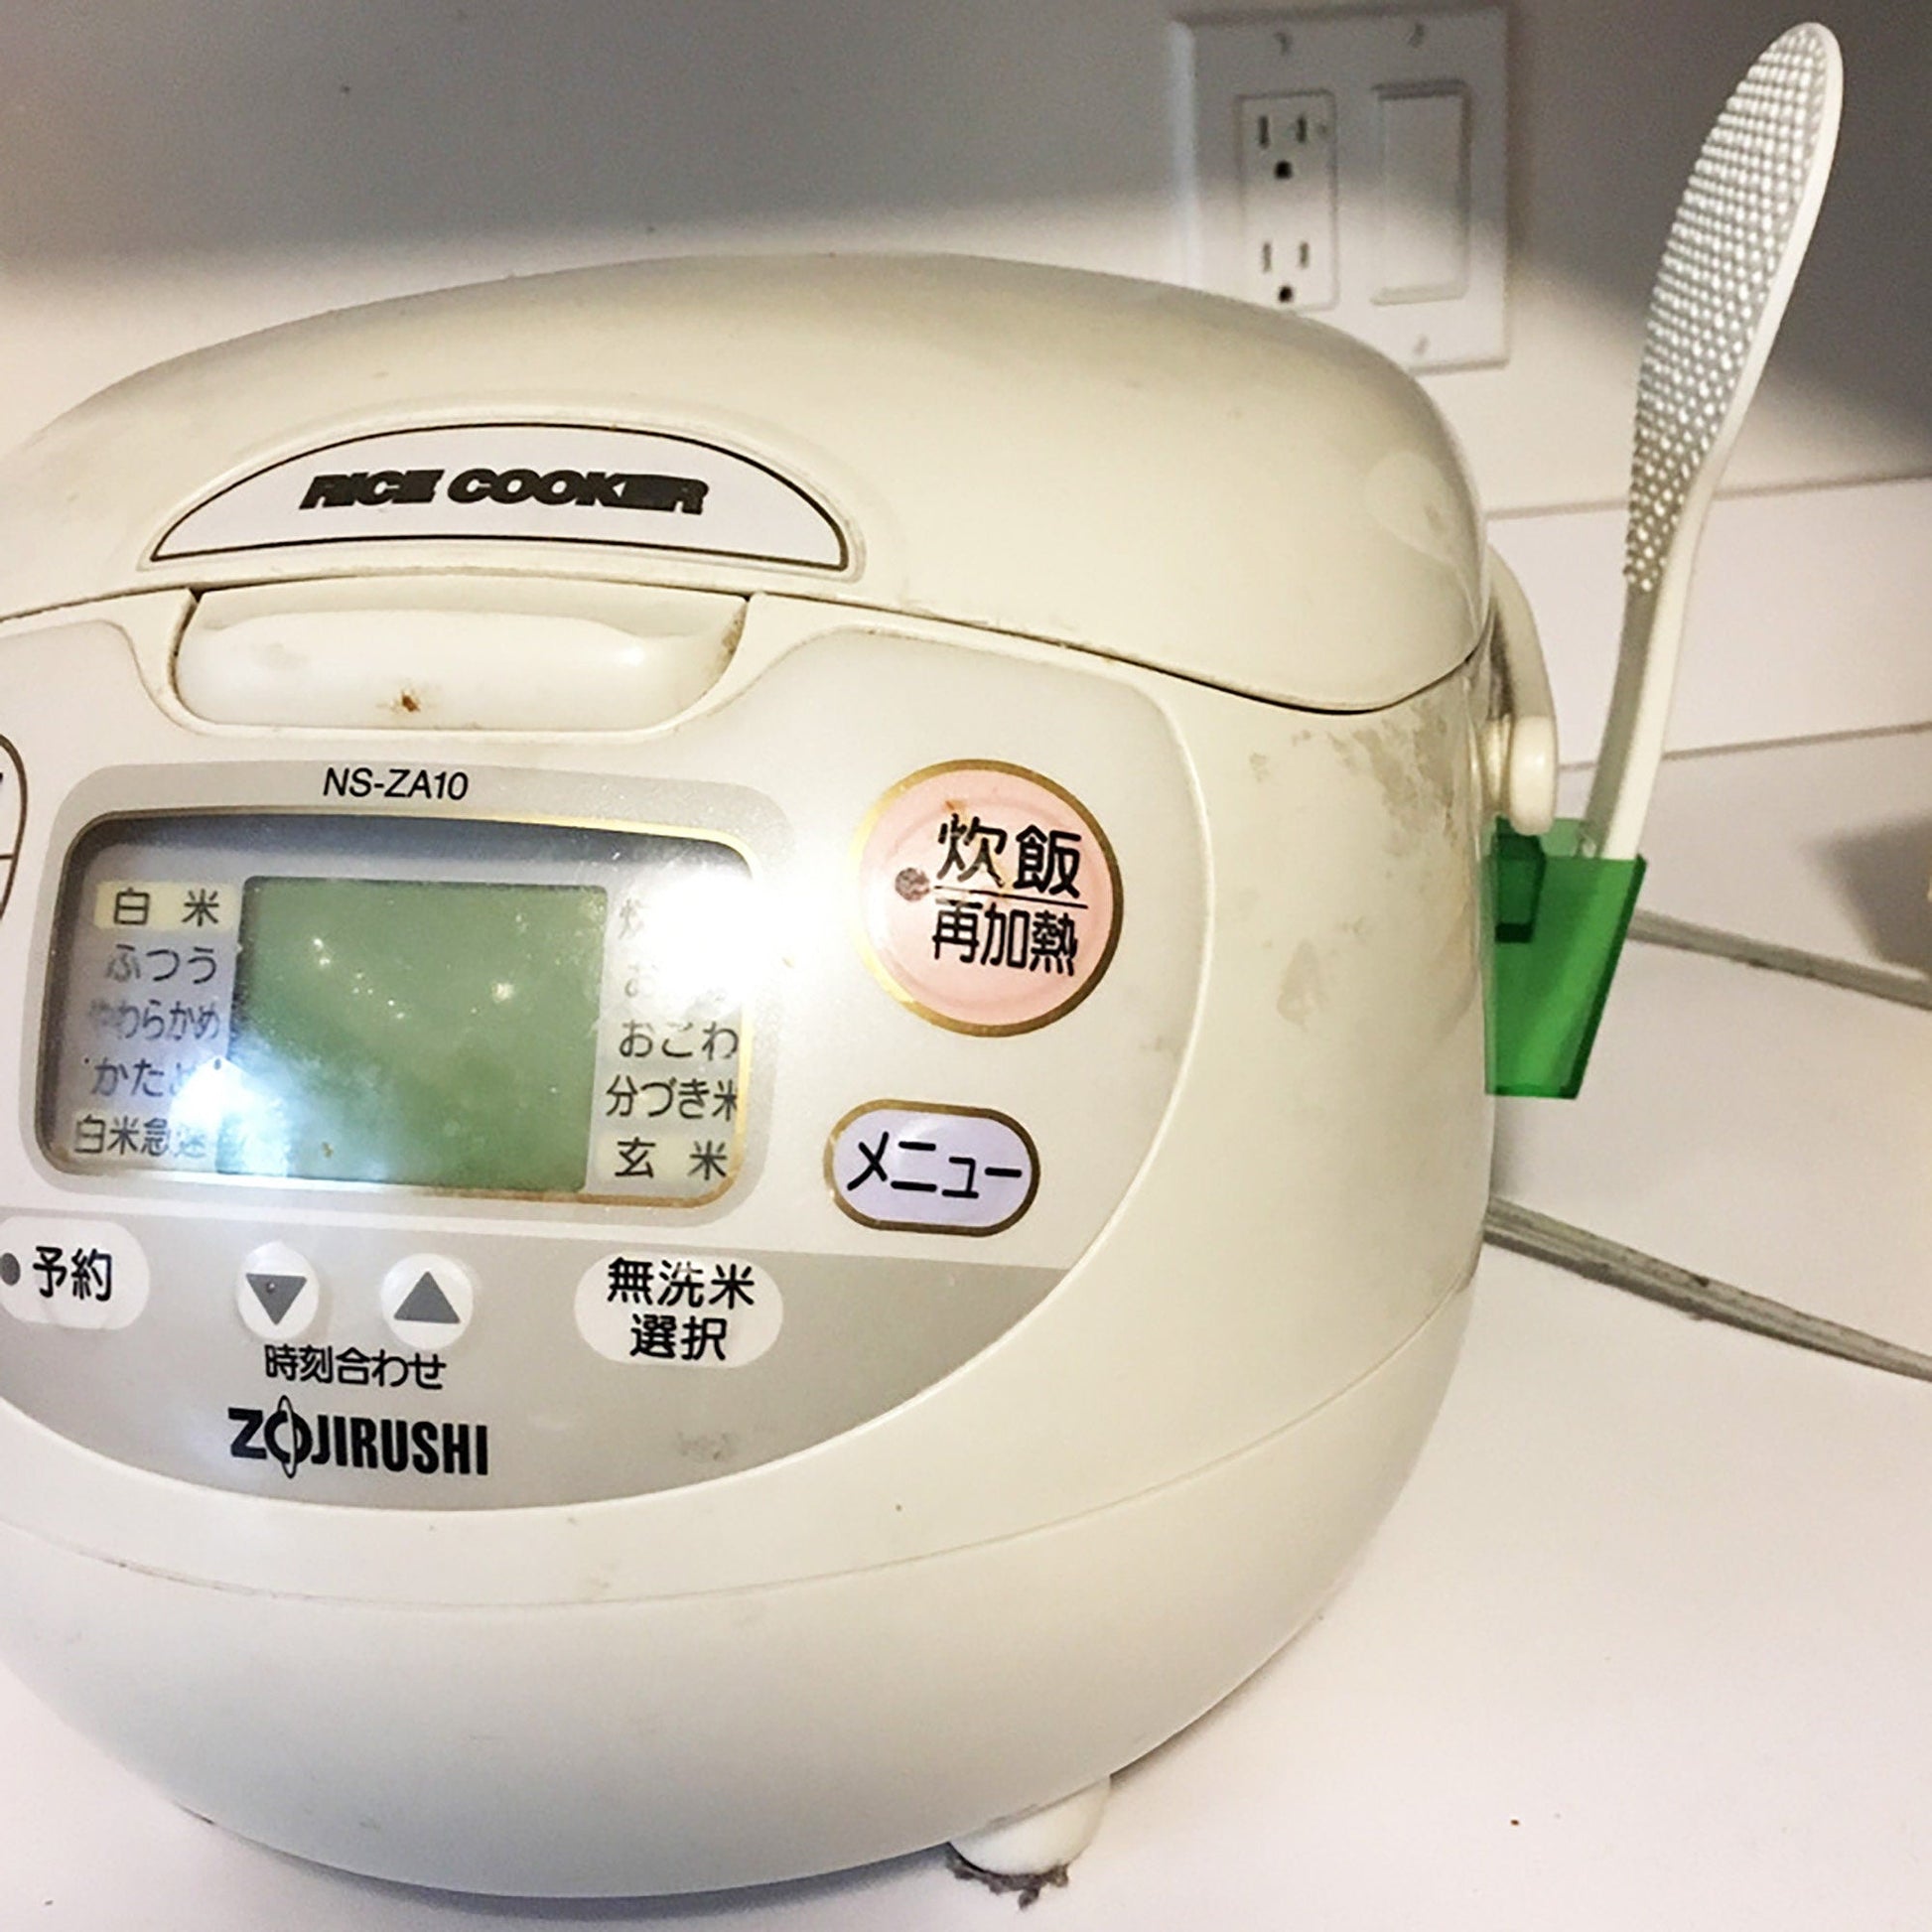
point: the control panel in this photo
(474, 1133)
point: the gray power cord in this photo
(1905, 989)
(1543, 1237)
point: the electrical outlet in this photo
(1388, 220)
(1288, 197)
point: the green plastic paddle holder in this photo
(1560, 920)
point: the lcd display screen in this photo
(469, 1006)
(433, 1035)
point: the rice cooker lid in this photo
(1241, 498)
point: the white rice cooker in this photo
(751, 1050)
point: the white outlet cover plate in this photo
(1359, 58)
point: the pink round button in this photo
(991, 899)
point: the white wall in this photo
(177, 171)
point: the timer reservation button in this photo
(72, 1274)
(427, 1300)
(277, 1293)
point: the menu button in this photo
(932, 1168)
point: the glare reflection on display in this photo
(699, 938)
(225, 1107)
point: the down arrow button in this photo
(277, 1293)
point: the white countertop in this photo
(1640, 1644)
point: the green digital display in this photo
(436, 1033)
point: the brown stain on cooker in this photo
(1303, 988)
(1410, 755)
(717, 1446)
(1240, 906)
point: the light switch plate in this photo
(1409, 192)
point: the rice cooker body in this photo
(702, 1201)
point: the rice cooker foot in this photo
(1035, 1847)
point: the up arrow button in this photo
(428, 1300)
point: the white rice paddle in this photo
(1733, 253)
(1728, 266)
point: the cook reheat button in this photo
(947, 1170)
(427, 1300)
(72, 1274)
